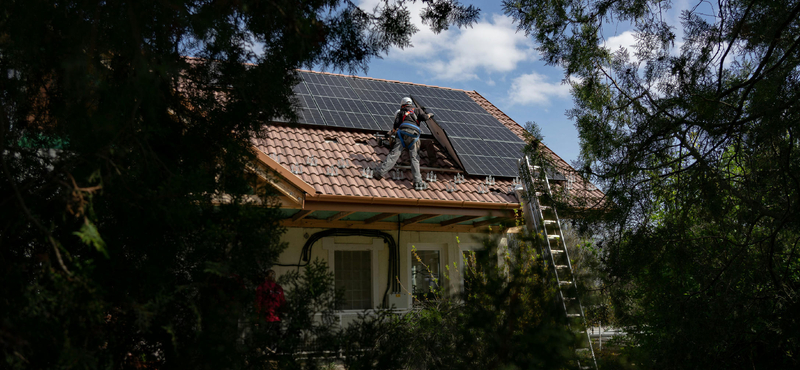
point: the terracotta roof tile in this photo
(371, 191)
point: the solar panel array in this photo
(482, 143)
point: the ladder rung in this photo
(556, 251)
(562, 266)
(548, 222)
(564, 282)
(554, 236)
(573, 315)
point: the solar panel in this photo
(456, 95)
(488, 133)
(334, 118)
(312, 78)
(454, 129)
(364, 84)
(359, 83)
(509, 166)
(332, 91)
(503, 134)
(310, 116)
(324, 79)
(381, 109)
(343, 105)
(450, 115)
(484, 145)
(485, 165)
(300, 88)
(477, 147)
(475, 165)
(306, 101)
(379, 96)
(506, 149)
(419, 90)
(483, 120)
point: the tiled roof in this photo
(295, 145)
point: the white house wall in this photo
(450, 245)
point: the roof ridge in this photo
(384, 80)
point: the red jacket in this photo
(269, 299)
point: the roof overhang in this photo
(321, 202)
(293, 190)
(297, 194)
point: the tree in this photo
(126, 234)
(694, 141)
(507, 317)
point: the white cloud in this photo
(533, 89)
(625, 40)
(490, 46)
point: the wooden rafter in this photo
(457, 220)
(378, 217)
(340, 216)
(416, 219)
(301, 215)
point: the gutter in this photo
(350, 203)
(409, 202)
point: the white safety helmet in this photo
(406, 101)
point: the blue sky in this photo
(501, 64)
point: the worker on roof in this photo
(406, 122)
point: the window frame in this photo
(330, 245)
(466, 247)
(442, 248)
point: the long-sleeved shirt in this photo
(269, 299)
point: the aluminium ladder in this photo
(543, 219)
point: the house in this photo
(366, 228)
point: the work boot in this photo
(377, 176)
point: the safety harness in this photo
(401, 133)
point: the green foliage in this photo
(694, 143)
(507, 317)
(125, 135)
(308, 336)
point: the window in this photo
(468, 264)
(425, 276)
(470, 270)
(354, 265)
(353, 274)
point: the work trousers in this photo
(394, 155)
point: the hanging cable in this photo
(396, 283)
(394, 263)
